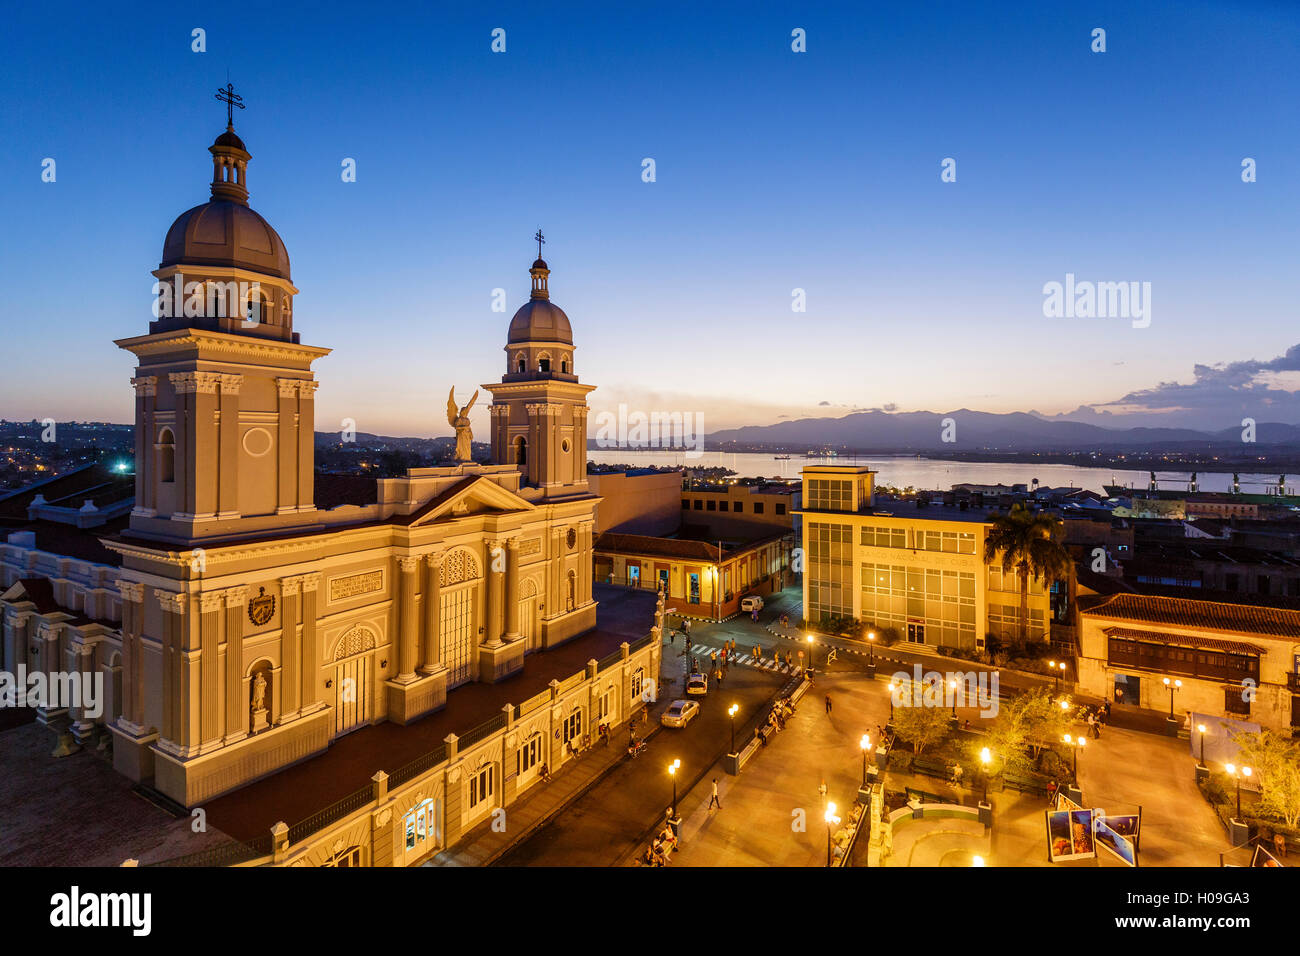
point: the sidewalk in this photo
(482, 846)
(772, 814)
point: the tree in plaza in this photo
(1028, 543)
(921, 726)
(1275, 763)
(1025, 725)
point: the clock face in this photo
(572, 539)
(261, 608)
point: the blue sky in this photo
(775, 171)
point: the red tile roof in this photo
(1185, 612)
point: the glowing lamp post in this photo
(672, 772)
(731, 712)
(831, 820)
(865, 744)
(1233, 773)
(1173, 686)
(1076, 744)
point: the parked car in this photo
(680, 713)
(751, 603)
(697, 685)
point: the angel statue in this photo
(459, 420)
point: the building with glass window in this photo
(916, 568)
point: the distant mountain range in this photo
(878, 431)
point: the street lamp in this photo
(1076, 744)
(1176, 685)
(1232, 772)
(977, 861)
(1058, 668)
(871, 646)
(865, 744)
(952, 686)
(893, 686)
(1200, 728)
(731, 712)
(810, 652)
(831, 820)
(672, 772)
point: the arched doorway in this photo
(353, 673)
(458, 614)
(528, 615)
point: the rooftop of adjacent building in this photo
(1234, 617)
(686, 544)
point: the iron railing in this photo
(418, 766)
(224, 854)
(484, 729)
(336, 811)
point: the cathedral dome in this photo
(226, 233)
(540, 320)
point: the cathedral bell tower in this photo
(225, 395)
(539, 410)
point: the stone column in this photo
(146, 390)
(173, 606)
(290, 646)
(306, 444)
(210, 607)
(492, 593)
(132, 623)
(287, 453)
(585, 562)
(310, 680)
(228, 448)
(408, 624)
(81, 661)
(512, 589)
(236, 723)
(432, 656)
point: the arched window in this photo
(521, 365)
(564, 366)
(521, 451)
(166, 448)
(258, 310)
(544, 364)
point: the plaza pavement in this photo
(755, 825)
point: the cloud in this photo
(823, 404)
(1218, 396)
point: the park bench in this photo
(930, 766)
(1025, 783)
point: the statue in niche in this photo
(459, 420)
(257, 705)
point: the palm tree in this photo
(1030, 544)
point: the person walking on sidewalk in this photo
(828, 703)
(713, 800)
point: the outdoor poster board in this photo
(1110, 837)
(1263, 858)
(1070, 835)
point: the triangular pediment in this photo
(472, 496)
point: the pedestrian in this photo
(828, 703)
(789, 659)
(754, 652)
(755, 615)
(957, 774)
(713, 800)
(1105, 712)
(1279, 843)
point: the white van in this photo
(751, 604)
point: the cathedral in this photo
(245, 622)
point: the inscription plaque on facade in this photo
(368, 581)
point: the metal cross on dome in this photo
(540, 239)
(231, 99)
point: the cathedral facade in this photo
(246, 626)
